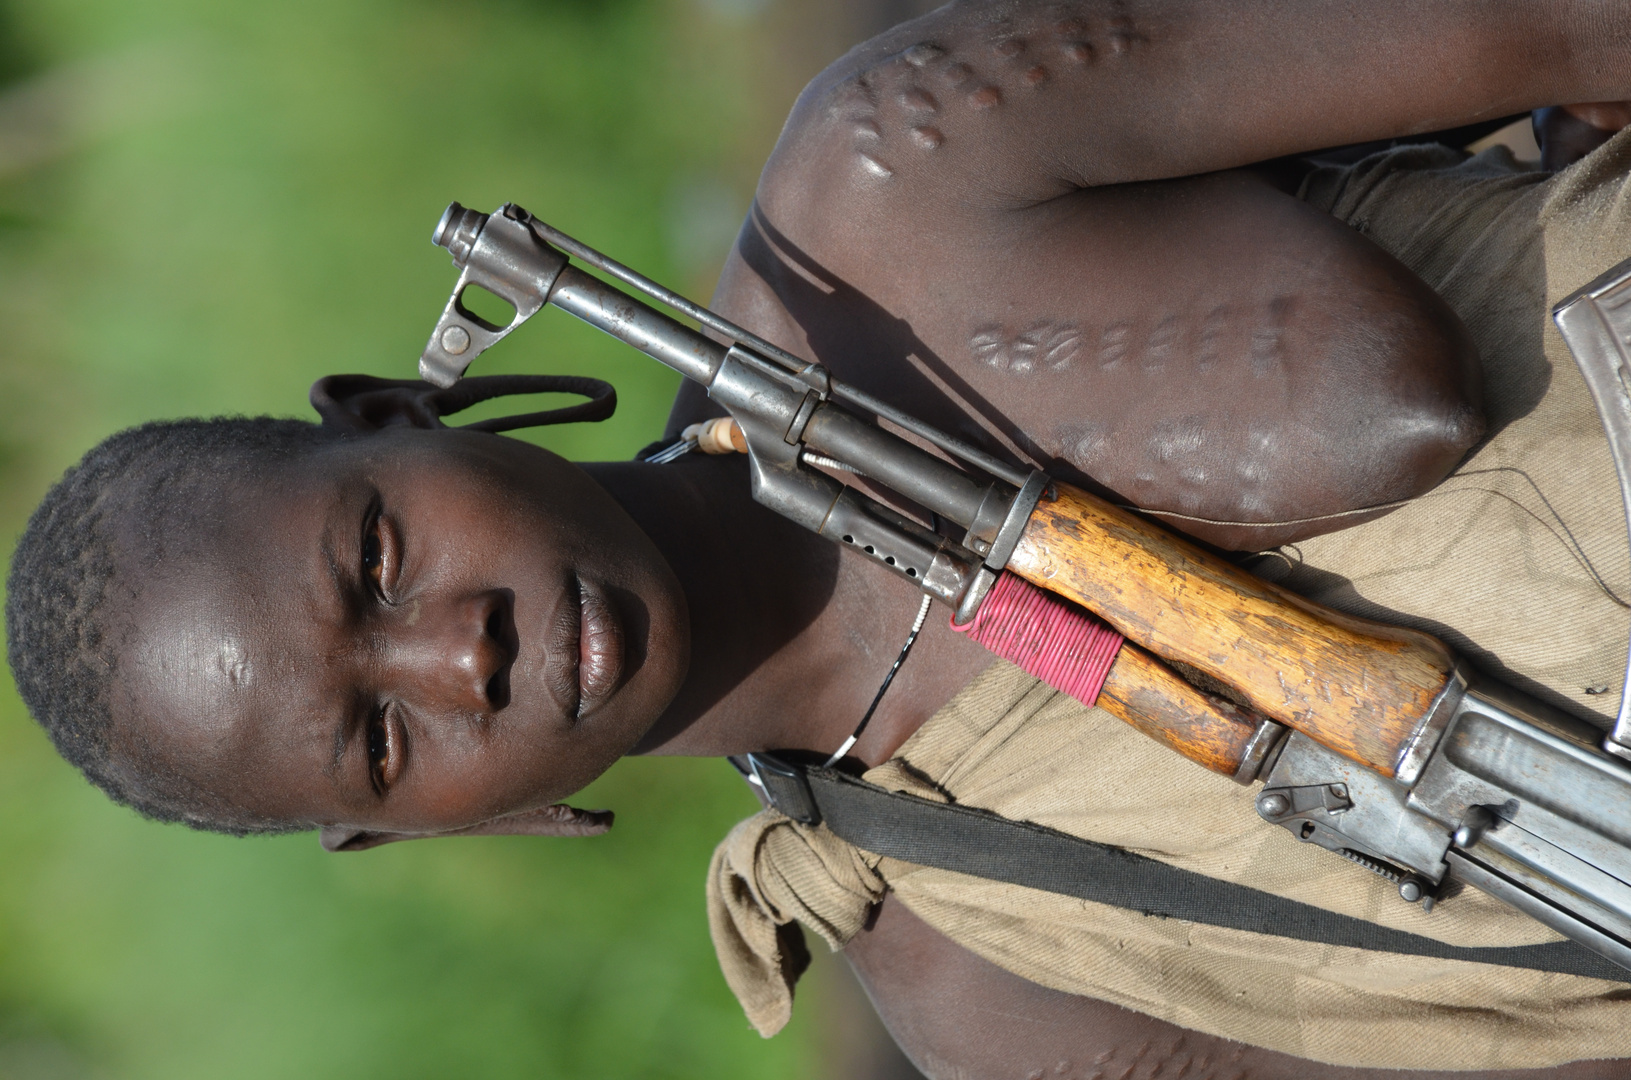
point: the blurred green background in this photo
(207, 204)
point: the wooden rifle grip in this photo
(1357, 687)
(1156, 700)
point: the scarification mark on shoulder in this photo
(986, 97)
(874, 166)
(1114, 342)
(956, 73)
(852, 100)
(1045, 345)
(1159, 349)
(922, 54)
(1267, 347)
(1182, 443)
(1124, 36)
(917, 99)
(928, 138)
(1086, 444)
(1036, 76)
(1210, 344)
(1009, 47)
(987, 344)
(1078, 51)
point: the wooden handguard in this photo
(1358, 687)
(1156, 700)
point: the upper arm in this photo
(1206, 346)
(1023, 102)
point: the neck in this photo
(753, 583)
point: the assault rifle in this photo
(1373, 741)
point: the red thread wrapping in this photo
(1049, 637)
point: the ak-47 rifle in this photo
(1372, 741)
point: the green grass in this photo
(238, 199)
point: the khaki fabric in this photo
(999, 745)
(1520, 560)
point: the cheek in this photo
(465, 780)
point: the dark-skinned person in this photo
(1037, 226)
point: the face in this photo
(410, 631)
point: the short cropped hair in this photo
(137, 487)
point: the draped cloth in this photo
(1520, 560)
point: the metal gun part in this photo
(1493, 790)
(1596, 324)
(1516, 799)
(787, 407)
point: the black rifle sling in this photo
(986, 845)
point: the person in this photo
(1035, 226)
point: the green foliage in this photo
(229, 201)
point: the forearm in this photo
(1032, 100)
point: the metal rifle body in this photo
(784, 406)
(1396, 757)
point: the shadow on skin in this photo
(799, 566)
(873, 350)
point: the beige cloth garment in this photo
(1520, 559)
(1512, 560)
(999, 746)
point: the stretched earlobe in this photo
(557, 820)
(366, 403)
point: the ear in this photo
(557, 820)
(366, 403)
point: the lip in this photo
(600, 649)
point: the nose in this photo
(453, 655)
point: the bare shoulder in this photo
(1206, 346)
(957, 1015)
